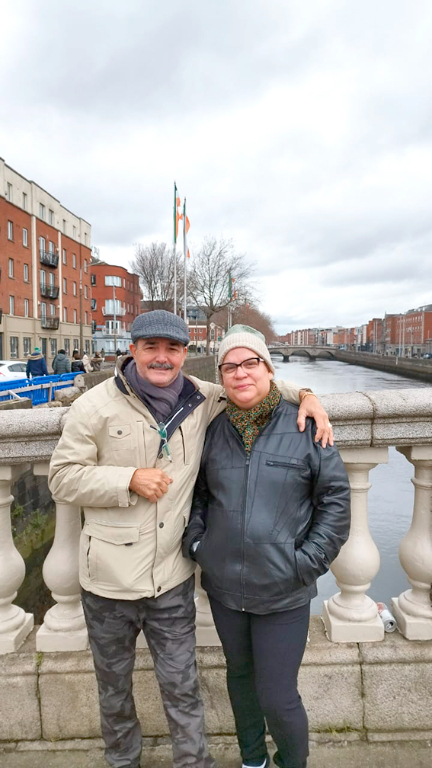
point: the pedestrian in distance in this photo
(86, 362)
(271, 510)
(61, 363)
(128, 456)
(36, 364)
(77, 365)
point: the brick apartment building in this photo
(409, 333)
(45, 253)
(115, 302)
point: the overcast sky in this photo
(301, 129)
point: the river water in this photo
(391, 497)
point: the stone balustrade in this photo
(365, 425)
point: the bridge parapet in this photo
(365, 425)
(313, 352)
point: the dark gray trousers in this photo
(168, 623)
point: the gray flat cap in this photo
(160, 324)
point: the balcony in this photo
(50, 291)
(119, 312)
(48, 258)
(51, 323)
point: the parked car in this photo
(12, 369)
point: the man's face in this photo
(158, 360)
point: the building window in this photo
(113, 280)
(52, 310)
(85, 318)
(64, 256)
(51, 217)
(25, 238)
(75, 317)
(93, 304)
(76, 343)
(85, 292)
(110, 307)
(25, 273)
(42, 244)
(66, 345)
(51, 247)
(64, 226)
(42, 274)
(93, 279)
(10, 230)
(65, 315)
(74, 289)
(26, 307)
(87, 346)
(85, 265)
(41, 211)
(14, 346)
(24, 201)
(43, 309)
(9, 192)
(27, 342)
(74, 260)
(53, 346)
(11, 268)
(51, 279)
(64, 285)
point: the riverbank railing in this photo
(366, 424)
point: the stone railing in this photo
(365, 425)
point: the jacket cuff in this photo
(126, 498)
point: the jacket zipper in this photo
(243, 529)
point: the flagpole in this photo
(185, 256)
(174, 248)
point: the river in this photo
(391, 496)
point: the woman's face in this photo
(246, 388)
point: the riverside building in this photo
(45, 253)
(115, 302)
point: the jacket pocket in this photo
(288, 462)
(111, 559)
(120, 436)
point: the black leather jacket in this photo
(270, 523)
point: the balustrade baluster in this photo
(15, 624)
(412, 609)
(351, 615)
(64, 626)
(205, 629)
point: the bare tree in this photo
(218, 277)
(247, 313)
(154, 264)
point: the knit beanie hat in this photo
(160, 324)
(245, 336)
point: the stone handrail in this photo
(365, 425)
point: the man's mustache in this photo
(161, 366)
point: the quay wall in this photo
(417, 369)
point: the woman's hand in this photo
(312, 407)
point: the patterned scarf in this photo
(250, 423)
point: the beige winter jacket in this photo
(130, 547)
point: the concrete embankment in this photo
(411, 367)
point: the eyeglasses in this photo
(250, 364)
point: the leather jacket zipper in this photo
(243, 529)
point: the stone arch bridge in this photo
(312, 352)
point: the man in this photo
(129, 455)
(36, 364)
(61, 363)
(77, 364)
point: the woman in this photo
(270, 513)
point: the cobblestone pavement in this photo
(354, 755)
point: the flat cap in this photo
(160, 324)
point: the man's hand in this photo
(150, 483)
(312, 407)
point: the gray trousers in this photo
(168, 623)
